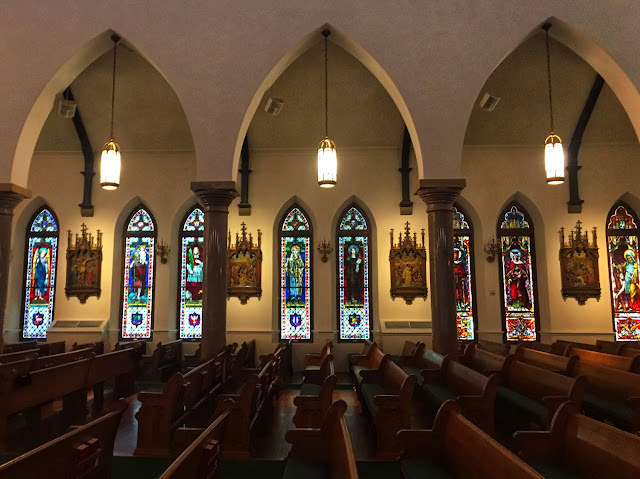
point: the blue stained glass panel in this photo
(295, 282)
(514, 219)
(141, 221)
(192, 264)
(40, 285)
(44, 222)
(138, 286)
(195, 221)
(459, 223)
(353, 220)
(295, 221)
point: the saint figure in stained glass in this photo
(191, 268)
(622, 246)
(354, 306)
(463, 275)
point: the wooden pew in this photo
(386, 394)
(536, 392)
(96, 346)
(577, 446)
(316, 395)
(165, 360)
(501, 349)
(371, 360)
(455, 447)
(10, 371)
(134, 344)
(161, 413)
(326, 450)
(47, 349)
(20, 346)
(19, 356)
(119, 366)
(366, 345)
(630, 351)
(483, 361)
(84, 452)
(421, 359)
(474, 392)
(611, 394)
(548, 361)
(560, 346)
(314, 360)
(201, 459)
(622, 363)
(536, 345)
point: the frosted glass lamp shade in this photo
(110, 166)
(554, 159)
(327, 164)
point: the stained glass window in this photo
(295, 275)
(40, 274)
(517, 274)
(138, 275)
(191, 267)
(622, 254)
(354, 299)
(464, 275)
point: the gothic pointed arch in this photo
(295, 239)
(138, 274)
(353, 262)
(518, 282)
(190, 269)
(464, 274)
(622, 261)
(41, 258)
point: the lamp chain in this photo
(549, 80)
(113, 85)
(326, 89)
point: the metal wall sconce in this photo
(492, 249)
(162, 250)
(324, 248)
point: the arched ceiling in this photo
(216, 55)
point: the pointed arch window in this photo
(518, 275)
(622, 257)
(190, 273)
(138, 275)
(464, 274)
(40, 274)
(353, 261)
(295, 239)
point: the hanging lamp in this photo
(327, 159)
(110, 159)
(553, 151)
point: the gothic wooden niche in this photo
(408, 262)
(244, 267)
(84, 265)
(579, 265)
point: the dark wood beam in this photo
(406, 205)
(574, 205)
(86, 207)
(244, 207)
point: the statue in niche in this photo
(408, 262)
(244, 266)
(84, 265)
(579, 265)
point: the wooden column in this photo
(439, 196)
(10, 196)
(215, 196)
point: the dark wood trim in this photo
(352, 234)
(244, 207)
(574, 205)
(86, 207)
(530, 232)
(406, 205)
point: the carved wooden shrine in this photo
(84, 265)
(244, 267)
(408, 262)
(579, 265)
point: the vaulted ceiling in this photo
(149, 116)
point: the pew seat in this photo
(314, 360)
(365, 349)
(369, 361)
(456, 448)
(316, 395)
(576, 446)
(322, 453)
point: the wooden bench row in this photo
(44, 349)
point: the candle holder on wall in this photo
(325, 248)
(163, 250)
(492, 249)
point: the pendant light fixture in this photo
(553, 152)
(327, 159)
(110, 159)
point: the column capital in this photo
(439, 194)
(10, 196)
(215, 195)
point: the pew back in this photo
(539, 383)
(18, 356)
(482, 361)
(606, 360)
(548, 361)
(612, 384)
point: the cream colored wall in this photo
(494, 175)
